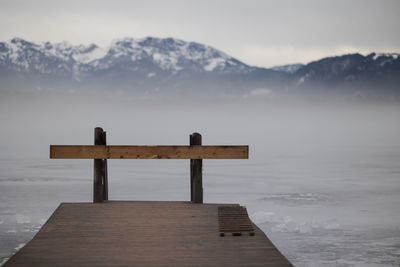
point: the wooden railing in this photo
(100, 152)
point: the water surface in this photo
(323, 179)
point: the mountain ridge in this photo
(173, 67)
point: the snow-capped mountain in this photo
(144, 66)
(172, 67)
(171, 55)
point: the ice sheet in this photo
(322, 179)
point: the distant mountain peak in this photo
(174, 54)
(18, 40)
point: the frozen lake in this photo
(323, 179)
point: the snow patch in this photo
(21, 245)
(278, 223)
(300, 81)
(260, 92)
(214, 63)
(3, 261)
(290, 68)
(22, 219)
(166, 61)
(87, 57)
(390, 55)
(151, 74)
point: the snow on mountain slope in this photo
(171, 55)
(168, 66)
(376, 56)
(290, 68)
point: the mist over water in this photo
(322, 180)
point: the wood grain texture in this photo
(234, 219)
(143, 234)
(196, 172)
(105, 171)
(99, 168)
(148, 152)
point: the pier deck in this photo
(143, 233)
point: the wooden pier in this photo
(143, 234)
(148, 233)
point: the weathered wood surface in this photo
(148, 152)
(100, 181)
(196, 172)
(143, 234)
(234, 219)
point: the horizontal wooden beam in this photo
(148, 152)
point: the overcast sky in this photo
(262, 33)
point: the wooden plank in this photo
(196, 172)
(234, 219)
(130, 233)
(148, 152)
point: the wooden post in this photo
(196, 175)
(99, 169)
(105, 180)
